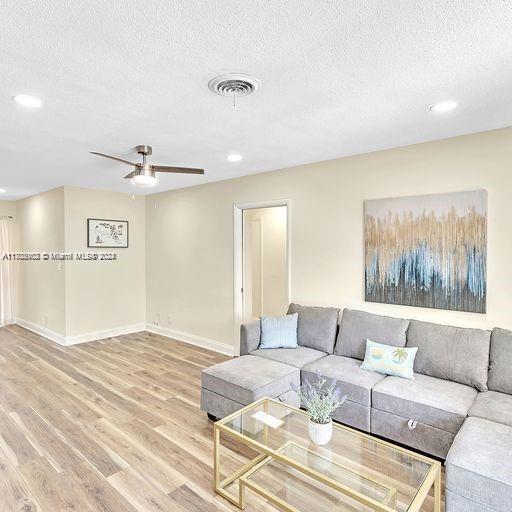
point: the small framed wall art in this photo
(109, 234)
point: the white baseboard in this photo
(42, 331)
(67, 341)
(107, 333)
(192, 339)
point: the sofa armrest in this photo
(250, 334)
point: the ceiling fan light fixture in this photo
(144, 173)
(144, 180)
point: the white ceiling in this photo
(338, 78)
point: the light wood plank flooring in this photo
(110, 426)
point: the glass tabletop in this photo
(366, 465)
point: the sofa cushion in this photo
(439, 403)
(493, 406)
(297, 357)
(248, 378)
(353, 381)
(358, 326)
(479, 466)
(451, 353)
(316, 327)
(500, 374)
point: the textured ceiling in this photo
(338, 78)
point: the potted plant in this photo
(320, 400)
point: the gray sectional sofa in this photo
(460, 401)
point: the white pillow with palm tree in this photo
(397, 361)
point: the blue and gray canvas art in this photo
(428, 251)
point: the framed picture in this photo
(109, 234)
(428, 251)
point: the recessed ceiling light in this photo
(444, 106)
(2, 191)
(234, 157)
(27, 101)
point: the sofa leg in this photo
(211, 417)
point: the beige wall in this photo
(7, 208)
(265, 270)
(78, 298)
(40, 295)
(190, 231)
(102, 295)
(186, 264)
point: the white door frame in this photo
(238, 255)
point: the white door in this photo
(265, 265)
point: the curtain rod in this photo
(5, 216)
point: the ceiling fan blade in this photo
(113, 158)
(131, 175)
(184, 170)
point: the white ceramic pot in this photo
(320, 433)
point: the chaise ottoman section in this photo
(229, 386)
(479, 468)
(456, 503)
(493, 406)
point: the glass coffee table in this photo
(268, 451)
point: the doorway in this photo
(262, 260)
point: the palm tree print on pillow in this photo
(400, 355)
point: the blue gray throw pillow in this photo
(279, 331)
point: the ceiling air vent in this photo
(234, 85)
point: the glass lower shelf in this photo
(281, 483)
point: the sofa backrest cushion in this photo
(316, 327)
(500, 370)
(358, 326)
(451, 353)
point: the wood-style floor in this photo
(108, 426)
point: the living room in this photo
(141, 369)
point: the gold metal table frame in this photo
(267, 455)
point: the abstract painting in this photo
(428, 251)
(109, 234)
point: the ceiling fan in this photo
(144, 173)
